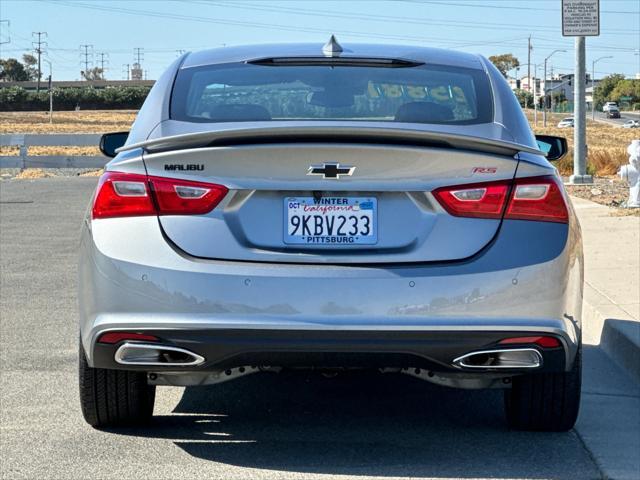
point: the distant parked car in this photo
(631, 124)
(613, 112)
(608, 106)
(566, 123)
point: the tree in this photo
(626, 88)
(525, 98)
(602, 92)
(11, 70)
(30, 64)
(504, 62)
(95, 73)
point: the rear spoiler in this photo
(312, 133)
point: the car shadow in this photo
(362, 423)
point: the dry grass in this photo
(83, 121)
(94, 173)
(31, 173)
(15, 151)
(607, 144)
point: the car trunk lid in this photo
(393, 179)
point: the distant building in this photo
(558, 84)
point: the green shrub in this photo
(87, 98)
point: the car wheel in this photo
(545, 401)
(114, 397)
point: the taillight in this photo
(478, 200)
(129, 194)
(537, 198)
(534, 198)
(181, 197)
(122, 195)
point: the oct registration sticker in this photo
(331, 221)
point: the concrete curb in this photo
(611, 327)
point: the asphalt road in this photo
(261, 426)
(624, 116)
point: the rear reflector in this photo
(541, 341)
(115, 337)
(535, 198)
(128, 194)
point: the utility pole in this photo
(50, 91)
(593, 85)
(86, 54)
(102, 56)
(544, 89)
(529, 65)
(127, 66)
(136, 70)
(535, 94)
(137, 53)
(38, 49)
(579, 115)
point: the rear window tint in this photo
(247, 92)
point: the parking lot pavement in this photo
(265, 425)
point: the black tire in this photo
(111, 398)
(545, 401)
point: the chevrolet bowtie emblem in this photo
(331, 170)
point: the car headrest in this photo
(423, 112)
(238, 112)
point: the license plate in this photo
(331, 221)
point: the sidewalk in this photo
(611, 310)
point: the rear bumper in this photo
(528, 281)
(433, 350)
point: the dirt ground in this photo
(609, 190)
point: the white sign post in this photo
(580, 18)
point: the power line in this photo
(267, 26)
(8, 34)
(503, 7)
(386, 18)
(127, 66)
(39, 51)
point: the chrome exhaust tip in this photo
(507, 358)
(156, 355)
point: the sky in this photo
(163, 28)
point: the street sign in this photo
(625, 99)
(580, 18)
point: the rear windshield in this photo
(244, 92)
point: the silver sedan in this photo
(331, 208)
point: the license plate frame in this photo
(333, 206)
